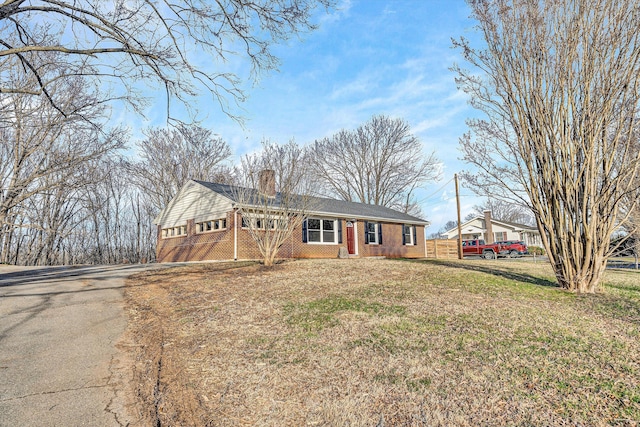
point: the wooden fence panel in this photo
(442, 248)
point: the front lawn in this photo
(381, 342)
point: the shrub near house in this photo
(535, 250)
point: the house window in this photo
(373, 233)
(328, 231)
(408, 235)
(258, 222)
(211, 225)
(499, 236)
(321, 230)
(180, 230)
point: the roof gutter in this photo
(373, 218)
(342, 214)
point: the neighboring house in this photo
(491, 230)
(202, 222)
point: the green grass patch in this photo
(313, 316)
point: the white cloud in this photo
(388, 11)
(362, 85)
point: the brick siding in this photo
(391, 246)
(218, 245)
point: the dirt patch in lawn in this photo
(381, 342)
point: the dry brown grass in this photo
(380, 342)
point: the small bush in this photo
(536, 250)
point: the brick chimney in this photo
(267, 182)
(488, 226)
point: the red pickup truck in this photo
(515, 247)
(512, 248)
(478, 247)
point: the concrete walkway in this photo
(58, 330)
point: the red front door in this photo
(351, 241)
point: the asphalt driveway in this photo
(58, 360)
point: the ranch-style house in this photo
(204, 222)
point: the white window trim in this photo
(253, 217)
(166, 233)
(321, 242)
(412, 241)
(213, 229)
(376, 233)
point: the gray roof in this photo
(518, 226)
(322, 205)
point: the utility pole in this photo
(459, 223)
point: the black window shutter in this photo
(379, 233)
(415, 236)
(304, 231)
(339, 231)
(404, 237)
(366, 232)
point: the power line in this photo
(435, 192)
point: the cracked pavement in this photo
(59, 365)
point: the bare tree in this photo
(168, 158)
(48, 219)
(273, 195)
(42, 150)
(113, 221)
(126, 42)
(96, 217)
(380, 163)
(559, 87)
(504, 211)
(446, 227)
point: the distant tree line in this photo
(70, 193)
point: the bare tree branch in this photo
(155, 42)
(44, 153)
(168, 158)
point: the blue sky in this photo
(368, 57)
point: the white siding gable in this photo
(193, 201)
(474, 226)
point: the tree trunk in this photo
(581, 280)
